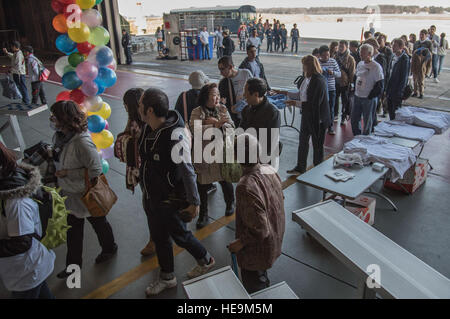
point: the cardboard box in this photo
(362, 207)
(413, 178)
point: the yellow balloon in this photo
(86, 4)
(103, 140)
(81, 34)
(104, 112)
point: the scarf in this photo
(60, 141)
(211, 112)
(341, 58)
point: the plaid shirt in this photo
(260, 220)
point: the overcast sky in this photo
(157, 7)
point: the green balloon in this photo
(105, 166)
(69, 68)
(98, 2)
(99, 36)
(75, 59)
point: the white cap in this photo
(198, 79)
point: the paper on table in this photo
(339, 175)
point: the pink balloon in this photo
(89, 88)
(107, 125)
(87, 71)
(108, 153)
(92, 18)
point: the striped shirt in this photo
(332, 65)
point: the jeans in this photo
(37, 90)
(128, 54)
(160, 45)
(19, 79)
(228, 195)
(242, 45)
(165, 224)
(254, 280)
(219, 52)
(277, 44)
(435, 65)
(269, 45)
(294, 41)
(75, 234)
(318, 139)
(394, 103)
(40, 292)
(283, 44)
(342, 92)
(332, 101)
(441, 63)
(364, 107)
(205, 51)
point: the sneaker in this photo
(158, 286)
(202, 222)
(343, 121)
(106, 256)
(201, 270)
(149, 249)
(436, 80)
(212, 188)
(294, 171)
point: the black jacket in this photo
(224, 90)
(191, 101)
(269, 34)
(228, 46)
(317, 109)
(125, 40)
(399, 77)
(265, 116)
(246, 65)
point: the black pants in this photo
(165, 225)
(128, 55)
(75, 234)
(219, 52)
(394, 103)
(277, 44)
(342, 91)
(269, 45)
(40, 292)
(37, 90)
(228, 195)
(254, 280)
(294, 42)
(318, 138)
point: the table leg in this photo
(17, 132)
(384, 197)
(364, 291)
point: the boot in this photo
(202, 219)
(229, 209)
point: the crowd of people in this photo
(364, 76)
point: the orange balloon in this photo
(60, 23)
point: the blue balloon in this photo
(104, 56)
(71, 81)
(106, 77)
(105, 167)
(101, 88)
(96, 123)
(65, 44)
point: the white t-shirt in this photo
(255, 69)
(239, 83)
(204, 37)
(254, 41)
(367, 74)
(28, 270)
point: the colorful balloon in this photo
(98, 2)
(71, 81)
(93, 103)
(89, 88)
(66, 2)
(57, 6)
(68, 69)
(104, 112)
(101, 89)
(104, 56)
(75, 59)
(81, 34)
(108, 153)
(86, 4)
(73, 14)
(85, 47)
(102, 140)
(92, 18)
(66, 45)
(60, 64)
(113, 65)
(96, 123)
(87, 71)
(77, 96)
(63, 96)
(107, 125)
(99, 36)
(105, 166)
(106, 77)
(60, 23)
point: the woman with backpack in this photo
(35, 67)
(77, 160)
(25, 263)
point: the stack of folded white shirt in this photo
(377, 149)
(402, 129)
(439, 121)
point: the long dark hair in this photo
(203, 96)
(70, 115)
(131, 100)
(7, 161)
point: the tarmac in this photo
(420, 225)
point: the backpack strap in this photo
(230, 92)
(185, 107)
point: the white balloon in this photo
(60, 64)
(93, 103)
(92, 18)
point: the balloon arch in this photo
(87, 68)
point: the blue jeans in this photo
(435, 65)
(165, 224)
(332, 102)
(294, 42)
(441, 63)
(22, 86)
(40, 292)
(364, 107)
(205, 51)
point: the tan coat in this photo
(208, 173)
(346, 79)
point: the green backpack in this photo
(231, 172)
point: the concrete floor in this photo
(420, 226)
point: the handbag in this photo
(99, 198)
(44, 73)
(408, 90)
